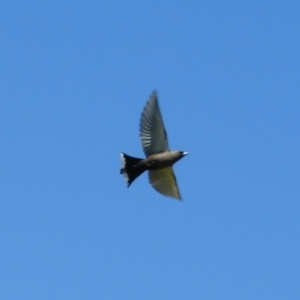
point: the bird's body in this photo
(159, 159)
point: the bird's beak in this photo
(185, 153)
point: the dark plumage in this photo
(159, 159)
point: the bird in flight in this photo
(159, 159)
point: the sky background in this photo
(74, 78)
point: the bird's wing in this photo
(164, 181)
(152, 131)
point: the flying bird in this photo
(159, 159)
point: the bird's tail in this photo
(128, 169)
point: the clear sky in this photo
(74, 77)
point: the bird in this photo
(159, 159)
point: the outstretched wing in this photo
(164, 181)
(152, 131)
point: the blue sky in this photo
(74, 78)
